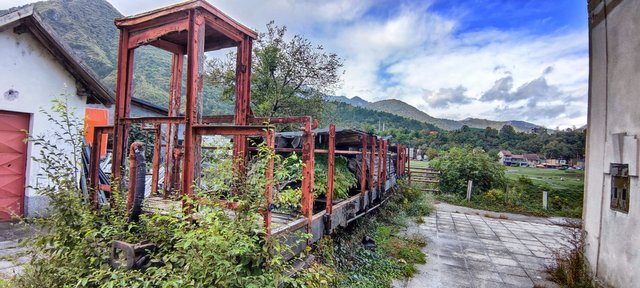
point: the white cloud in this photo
(410, 51)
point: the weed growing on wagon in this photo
(394, 256)
(220, 249)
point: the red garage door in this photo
(13, 160)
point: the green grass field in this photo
(566, 188)
(553, 178)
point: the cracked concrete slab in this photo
(472, 248)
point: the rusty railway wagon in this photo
(188, 30)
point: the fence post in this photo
(545, 198)
(469, 187)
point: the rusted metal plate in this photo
(13, 160)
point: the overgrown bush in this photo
(395, 255)
(343, 178)
(217, 249)
(570, 268)
(460, 164)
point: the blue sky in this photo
(495, 59)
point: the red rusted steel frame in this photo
(379, 170)
(398, 156)
(153, 34)
(243, 98)
(155, 170)
(285, 120)
(218, 119)
(307, 173)
(268, 193)
(232, 130)
(195, 58)
(409, 164)
(123, 102)
(169, 46)
(342, 152)
(331, 158)
(230, 25)
(384, 161)
(363, 171)
(94, 164)
(154, 120)
(175, 93)
(372, 164)
(132, 174)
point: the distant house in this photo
(36, 67)
(555, 163)
(505, 157)
(532, 159)
(509, 159)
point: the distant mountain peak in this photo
(401, 108)
(354, 101)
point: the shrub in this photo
(343, 178)
(460, 164)
(219, 249)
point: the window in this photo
(620, 187)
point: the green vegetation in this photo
(345, 115)
(289, 76)
(570, 270)
(552, 178)
(395, 255)
(343, 179)
(218, 249)
(459, 165)
(519, 190)
(223, 249)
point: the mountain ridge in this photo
(401, 108)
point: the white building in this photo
(37, 67)
(612, 202)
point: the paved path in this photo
(11, 257)
(473, 250)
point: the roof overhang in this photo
(221, 30)
(28, 20)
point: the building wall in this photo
(612, 237)
(31, 71)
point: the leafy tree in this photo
(458, 165)
(290, 77)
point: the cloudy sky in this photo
(495, 59)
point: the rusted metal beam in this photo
(169, 46)
(155, 170)
(331, 167)
(94, 165)
(307, 174)
(268, 193)
(363, 171)
(123, 100)
(372, 167)
(175, 93)
(218, 119)
(232, 130)
(195, 70)
(281, 120)
(154, 120)
(152, 34)
(224, 28)
(243, 99)
(219, 43)
(379, 170)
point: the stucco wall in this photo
(28, 68)
(613, 238)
